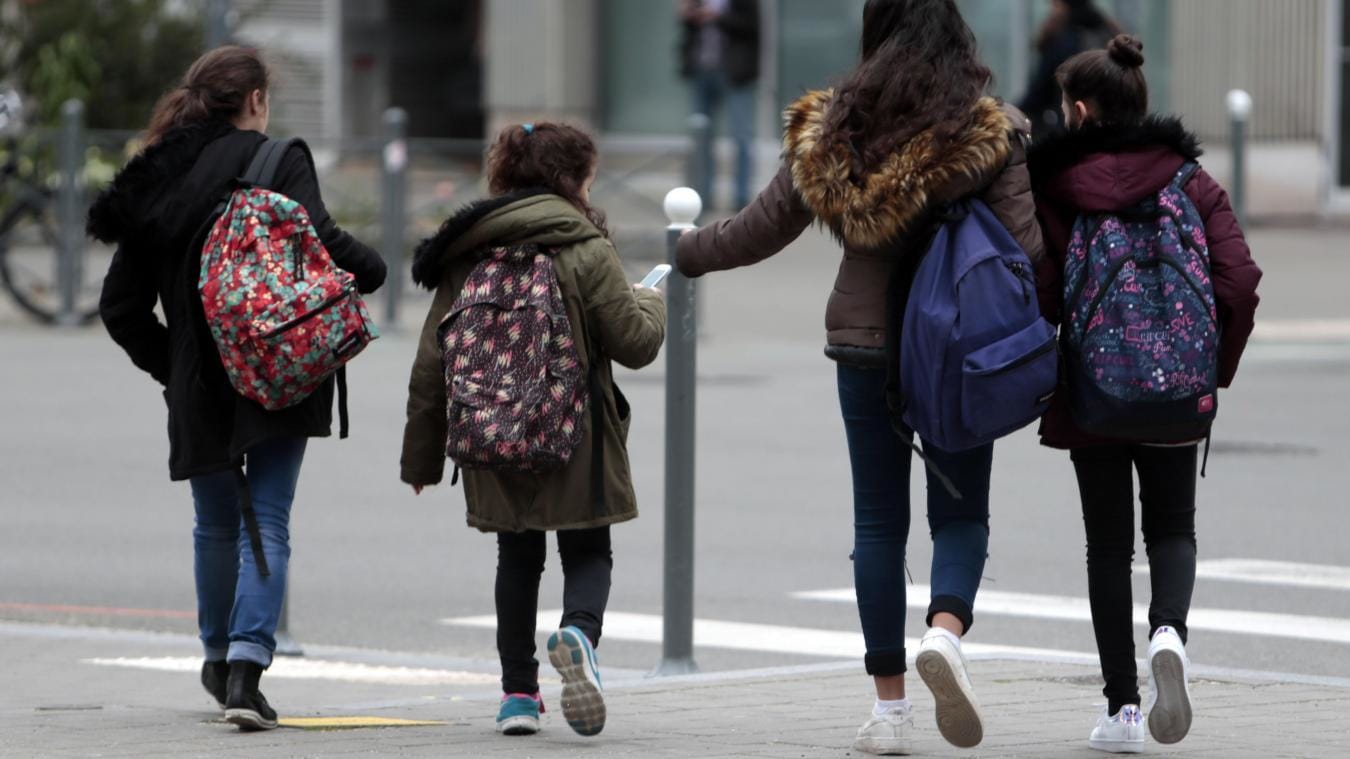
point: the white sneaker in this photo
(943, 669)
(1169, 702)
(887, 734)
(1121, 733)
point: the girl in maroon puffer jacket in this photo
(1114, 156)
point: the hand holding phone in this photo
(655, 277)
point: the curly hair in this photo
(557, 157)
(920, 70)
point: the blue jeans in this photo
(711, 89)
(880, 460)
(238, 608)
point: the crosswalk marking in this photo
(747, 636)
(1267, 572)
(1071, 608)
(311, 669)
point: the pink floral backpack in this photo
(514, 384)
(283, 316)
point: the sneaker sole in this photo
(1118, 747)
(884, 746)
(958, 719)
(1170, 719)
(583, 703)
(248, 719)
(518, 726)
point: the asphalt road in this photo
(93, 533)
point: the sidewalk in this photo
(58, 703)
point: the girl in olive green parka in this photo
(540, 175)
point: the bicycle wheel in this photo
(30, 266)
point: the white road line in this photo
(1267, 572)
(1298, 330)
(1071, 608)
(308, 669)
(746, 636)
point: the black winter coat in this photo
(154, 211)
(739, 25)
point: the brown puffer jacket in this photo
(877, 220)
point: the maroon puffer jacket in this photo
(1100, 169)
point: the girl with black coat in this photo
(201, 138)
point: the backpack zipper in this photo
(1115, 272)
(297, 321)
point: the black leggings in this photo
(586, 562)
(1167, 501)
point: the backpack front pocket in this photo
(1008, 384)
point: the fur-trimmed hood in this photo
(1105, 167)
(533, 215)
(894, 195)
(124, 205)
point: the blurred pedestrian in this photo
(531, 305)
(906, 133)
(1072, 27)
(719, 56)
(1151, 278)
(202, 137)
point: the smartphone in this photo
(656, 276)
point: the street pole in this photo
(70, 210)
(393, 207)
(1239, 112)
(682, 206)
(217, 23)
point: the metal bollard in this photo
(701, 169)
(1239, 111)
(682, 206)
(393, 208)
(70, 210)
(286, 645)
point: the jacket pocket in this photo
(625, 412)
(1008, 384)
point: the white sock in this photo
(886, 707)
(953, 637)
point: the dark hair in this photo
(556, 157)
(1112, 80)
(919, 71)
(216, 86)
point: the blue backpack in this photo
(977, 361)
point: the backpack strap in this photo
(343, 422)
(262, 170)
(250, 520)
(1184, 174)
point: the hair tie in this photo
(529, 128)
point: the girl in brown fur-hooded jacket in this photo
(906, 132)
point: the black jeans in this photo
(1167, 502)
(586, 562)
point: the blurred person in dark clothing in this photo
(1072, 27)
(719, 56)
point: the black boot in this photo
(244, 703)
(215, 677)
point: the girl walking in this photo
(202, 137)
(907, 132)
(1120, 193)
(540, 218)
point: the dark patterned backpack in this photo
(1141, 333)
(514, 385)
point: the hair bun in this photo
(1127, 50)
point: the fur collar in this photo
(429, 259)
(118, 208)
(1064, 148)
(896, 194)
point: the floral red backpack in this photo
(283, 316)
(514, 381)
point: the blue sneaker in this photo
(519, 714)
(583, 702)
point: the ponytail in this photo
(216, 86)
